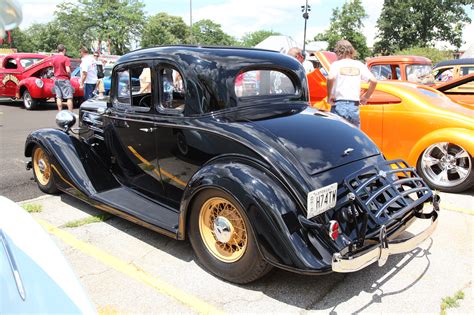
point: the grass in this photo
(32, 207)
(88, 220)
(451, 301)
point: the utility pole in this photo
(305, 9)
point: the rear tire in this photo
(222, 238)
(43, 171)
(28, 102)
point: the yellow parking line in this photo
(456, 209)
(131, 271)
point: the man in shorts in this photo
(62, 72)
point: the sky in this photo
(238, 17)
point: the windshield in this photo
(419, 74)
(26, 62)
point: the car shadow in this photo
(179, 249)
(306, 292)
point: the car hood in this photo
(317, 141)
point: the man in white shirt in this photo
(296, 53)
(88, 79)
(343, 87)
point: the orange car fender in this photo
(459, 136)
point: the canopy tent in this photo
(469, 53)
(279, 43)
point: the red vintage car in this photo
(30, 77)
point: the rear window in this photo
(263, 82)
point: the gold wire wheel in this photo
(223, 229)
(42, 167)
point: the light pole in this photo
(305, 9)
(191, 21)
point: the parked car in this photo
(452, 69)
(418, 124)
(106, 79)
(459, 90)
(415, 69)
(32, 79)
(252, 181)
(36, 277)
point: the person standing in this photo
(88, 79)
(343, 84)
(62, 72)
(100, 75)
(296, 53)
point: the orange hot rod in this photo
(419, 124)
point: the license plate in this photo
(321, 200)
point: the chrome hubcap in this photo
(446, 164)
(223, 229)
(41, 166)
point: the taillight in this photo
(333, 229)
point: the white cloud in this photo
(38, 11)
(238, 17)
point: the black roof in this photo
(453, 62)
(210, 72)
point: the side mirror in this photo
(65, 120)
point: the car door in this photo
(131, 132)
(10, 76)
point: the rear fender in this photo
(459, 136)
(68, 169)
(270, 208)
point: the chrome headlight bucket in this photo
(39, 83)
(65, 120)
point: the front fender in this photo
(460, 136)
(269, 206)
(62, 149)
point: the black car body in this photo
(224, 150)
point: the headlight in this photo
(39, 83)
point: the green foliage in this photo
(164, 29)
(252, 39)
(407, 23)
(207, 32)
(88, 21)
(88, 220)
(32, 207)
(435, 55)
(346, 23)
(451, 301)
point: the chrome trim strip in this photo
(380, 252)
(13, 266)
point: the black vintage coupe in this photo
(219, 146)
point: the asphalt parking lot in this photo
(126, 268)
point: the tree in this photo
(346, 23)
(408, 23)
(435, 55)
(88, 21)
(252, 39)
(206, 32)
(164, 29)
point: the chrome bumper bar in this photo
(381, 251)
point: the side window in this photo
(444, 74)
(263, 82)
(10, 64)
(134, 87)
(382, 72)
(123, 87)
(171, 94)
(465, 70)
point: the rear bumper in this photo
(381, 251)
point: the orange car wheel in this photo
(447, 167)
